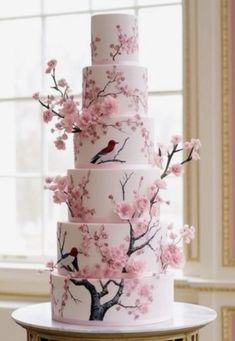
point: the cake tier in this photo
(126, 83)
(131, 140)
(123, 301)
(103, 250)
(114, 39)
(109, 195)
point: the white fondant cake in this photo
(110, 269)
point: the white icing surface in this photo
(101, 183)
(131, 135)
(140, 300)
(100, 237)
(104, 27)
(126, 83)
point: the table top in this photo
(185, 317)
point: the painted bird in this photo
(107, 153)
(69, 260)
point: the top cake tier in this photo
(114, 39)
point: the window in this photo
(32, 32)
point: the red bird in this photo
(105, 153)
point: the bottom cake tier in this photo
(112, 301)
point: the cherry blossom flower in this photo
(188, 233)
(142, 203)
(176, 139)
(161, 184)
(36, 96)
(176, 169)
(109, 105)
(62, 82)
(59, 143)
(47, 115)
(125, 210)
(51, 65)
(135, 267)
(172, 255)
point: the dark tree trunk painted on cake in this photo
(98, 310)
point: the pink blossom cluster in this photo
(144, 297)
(69, 118)
(172, 251)
(163, 157)
(127, 44)
(64, 191)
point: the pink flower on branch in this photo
(142, 203)
(176, 169)
(125, 210)
(188, 233)
(51, 65)
(172, 255)
(47, 115)
(176, 139)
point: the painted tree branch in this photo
(123, 184)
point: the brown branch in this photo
(123, 184)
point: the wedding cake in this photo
(112, 253)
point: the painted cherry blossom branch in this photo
(123, 184)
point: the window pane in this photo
(68, 40)
(157, 2)
(61, 6)
(20, 57)
(167, 111)
(13, 8)
(21, 216)
(108, 4)
(161, 46)
(21, 135)
(58, 161)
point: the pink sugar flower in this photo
(47, 115)
(188, 233)
(85, 119)
(35, 95)
(125, 210)
(59, 197)
(62, 82)
(62, 182)
(142, 203)
(176, 139)
(59, 143)
(195, 155)
(176, 169)
(135, 266)
(109, 105)
(69, 107)
(50, 264)
(172, 255)
(161, 184)
(51, 65)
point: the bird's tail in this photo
(95, 158)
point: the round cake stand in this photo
(184, 326)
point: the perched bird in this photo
(107, 153)
(69, 260)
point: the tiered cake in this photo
(109, 266)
